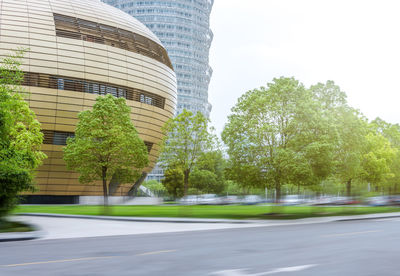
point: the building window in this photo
(81, 85)
(60, 138)
(146, 99)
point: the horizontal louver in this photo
(76, 28)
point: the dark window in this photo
(146, 99)
(48, 136)
(31, 79)
(44, 80)
(149, 145)
(60, 138)
(121, 93)
(81, 85)
(69, 85)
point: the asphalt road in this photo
(366, 247)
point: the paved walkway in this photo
(55, 226)
(61, 227)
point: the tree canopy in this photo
(173, 182)
(20, 135)
(106, 145)
(392, 133)
(276, 136)
(288, 135)
(187, 138)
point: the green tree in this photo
(206, 182)
(330, 96)
(359, 155)
(173, 182)
(352, 130)
(244, 175)
(392, 133)
(20, 136)
(214, 162)
(377, 160)
(349, 140)
(187, 137)
(232, 188)
(106, 145)
(276, 136)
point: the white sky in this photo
(354, 43)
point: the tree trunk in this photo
(278, 192)
(105, 192)
(186, 182)
(348, 187)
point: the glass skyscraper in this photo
(183, 26)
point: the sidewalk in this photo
(59, 226)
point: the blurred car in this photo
(189, 200)
(324, 200)
(395, 200)
(251, 199)
(230, 200)
(209, 199)
(343, 200)
(292, 200)
(379, 201)
(333, 200)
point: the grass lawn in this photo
(204, 211)
(12, 226)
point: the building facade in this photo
(76, 51)
(183, 26)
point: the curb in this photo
(367, 217)
(230, 221)
(22, 236)
(140, 219)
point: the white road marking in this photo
(290, 269)
(155, 252)
(84, 259)
(232, 272)
(350, 233)
(60, 261)
(242, 272)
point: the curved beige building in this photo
(78, 50)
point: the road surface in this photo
(364, 247)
